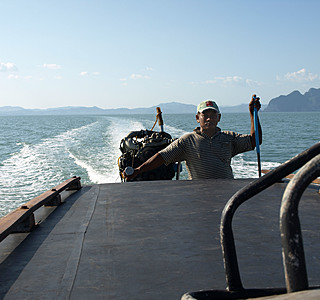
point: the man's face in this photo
(208, 119)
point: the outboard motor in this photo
(139, 146)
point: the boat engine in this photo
(139, 146)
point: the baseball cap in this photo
(208, 104)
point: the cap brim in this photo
(206, 108)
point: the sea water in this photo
(39, 152)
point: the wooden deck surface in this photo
(152, 240)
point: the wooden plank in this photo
(40, 200)
(290, 176)
(11, 222)
(8, 222)
(47, 196)
(72, 183)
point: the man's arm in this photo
(153, 162)
(252, 132)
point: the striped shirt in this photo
(207, 157)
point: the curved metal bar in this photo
(291, 237)
(226, 235)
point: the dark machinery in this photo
(139, 146)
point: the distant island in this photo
(293, 102)
(296, 102)
(167, 108)
(173, 107)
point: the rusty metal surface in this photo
(152, 240)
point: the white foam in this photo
(101, 162)
(174, 132)
(94, 175)
(249, 169)
(35, 168)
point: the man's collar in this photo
(198, 131)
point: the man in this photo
(207, 150)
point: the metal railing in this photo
(235, 288)
(291, 238)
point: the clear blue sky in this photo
(140, 53)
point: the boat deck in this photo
(152, 240)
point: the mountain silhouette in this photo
(295, 102)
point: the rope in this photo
(120, 173)
(157, 117)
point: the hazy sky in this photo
(140, 53)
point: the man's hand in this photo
(152, 163)
(255, 102)
(132, 176)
